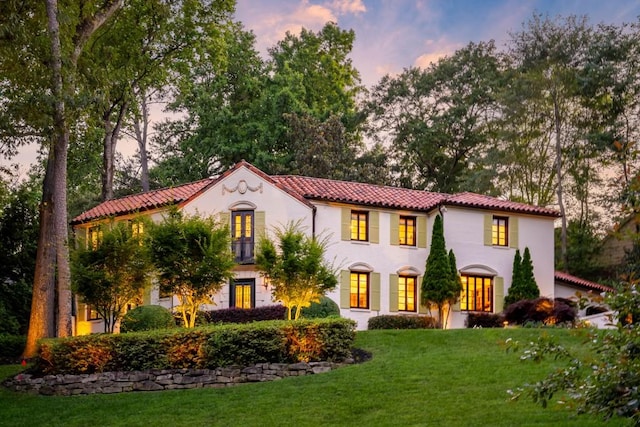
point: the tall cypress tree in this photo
(523, 282)
(438, 286)
(455, 277)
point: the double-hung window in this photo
(242, 236)
(500, 231)
(95, 237)
(407, 293)
(360, 226)
(359, 293)
(407, 230)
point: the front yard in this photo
(416, 377)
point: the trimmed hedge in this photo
(320, 310)
(484, 320)
(245, 315)
(147, 318)
(204, 347)
(402, 322)
(11, 347)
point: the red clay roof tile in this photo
(307, 188)
(573, 280)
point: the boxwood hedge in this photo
(204, 347)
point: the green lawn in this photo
(416, 378)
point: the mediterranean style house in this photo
(379, 238)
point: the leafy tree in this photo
(438, 120)
(193, 258)
(295, 268)
(439, 287)
(523, 283)
(112, 275)
(18, 240)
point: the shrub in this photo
(11, 347)
(245, 315)
(203, 347)
(402, 322)
(541, 310)
(320, 310)
(484, 320)
(146, 318)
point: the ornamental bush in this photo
(541, 310)
(146, 318)
(320, 310)
(402, 322)
(245, 315)
(484, 320)
(203, 347)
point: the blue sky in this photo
(395, 34)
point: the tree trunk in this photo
(563, 231)
(111, 134)
(141, 136)
(42, 316)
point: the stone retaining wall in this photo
(169, 379)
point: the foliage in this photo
(326, 307)
(606, 383)
(523, 282)
(11, 347)
(193, 258)
(113, 274)
(584, 248)
(18, 240)
(484, 320)
(541, 311)
(245, 315)
(210, 346)
(146, 318)
(295, 267)
(387, 321)
(441, 285)
(438, 120)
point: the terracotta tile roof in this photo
(144, 201)
(359, 193)
(576, 281)
(305, 189)
(474, 200)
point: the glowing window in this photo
(500, 231)
(407, 229)
(359, 294)
(407, 293)
(477, 293)
(359, 226)
(137, 229)
(242, 294)
(95, 237)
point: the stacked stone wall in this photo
(155, 380)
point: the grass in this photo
(416, 378)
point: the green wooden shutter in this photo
(422, 231)
(345, 289)
(422, 309)
(394, 225)
(498, 294)
(260, 225)
(513, 232)
(225, 219)
(346, 224)
(375, 291)
(374, 227)
(393, 293)
(488, 229)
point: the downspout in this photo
(313, 221)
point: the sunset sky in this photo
(395, 34)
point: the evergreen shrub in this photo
(11, 347)
(245, 315)
(203, 347)
(484, 320)
(387, 321)
(541, 310)
(320, 310)
(146, 318)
